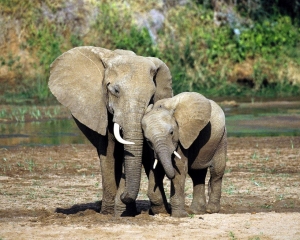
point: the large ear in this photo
(162, 80)
(76, 81)
(192, 114)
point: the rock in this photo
(78, 14)
(153, 21)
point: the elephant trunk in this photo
(165, 157)
(166, 162)
(133, 162)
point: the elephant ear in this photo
(162, 80)
(76, 81)
(124, 52)
(192, 113)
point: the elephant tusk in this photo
(118, 136)
(155, 163)
(176, 154)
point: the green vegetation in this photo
(29, 113)
(232, 236)
(202, 57)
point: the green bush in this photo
(199, 54)
(269, 37)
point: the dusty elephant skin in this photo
(53, 193)
(193, 128)
(106, 90)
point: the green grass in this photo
(229, 188)
(30, 164)
(232, 236)
(21, 113)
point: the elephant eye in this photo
(114, 89)
(117, 90)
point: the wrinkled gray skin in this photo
(194, 126)
(102, 87)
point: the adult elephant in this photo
(188, 135)
(106, 91)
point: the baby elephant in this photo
(188, 135)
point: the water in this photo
(263, 125)
(40, 133)
(263, 119)
(276, 119)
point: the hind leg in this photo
(216, 175)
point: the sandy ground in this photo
(55, 192)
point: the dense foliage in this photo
(202, 57)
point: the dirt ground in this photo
(55, 192)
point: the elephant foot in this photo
(158, 209)
(213, 207)
(107, 209)
(196, 209)
(128, 210)
(179, 214)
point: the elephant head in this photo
(172, 121)
(93, 82)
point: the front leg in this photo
(156, 191)
(110, 176)
(105, 146)
(177, 198)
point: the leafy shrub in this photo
(199, 54)
(269, 37)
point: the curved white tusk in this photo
(155, 163)
(176, 154)
(118, 136)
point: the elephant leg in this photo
(177, 198)
(109, 179)
(105, 146)
(198, 205)
(156, 191)
(216, 175)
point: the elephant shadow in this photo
(141, 205)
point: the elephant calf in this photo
(188, 135)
